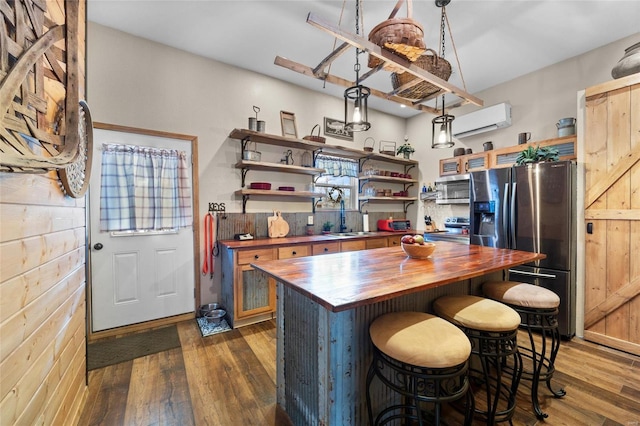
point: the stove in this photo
(456, 229)
(457, 225)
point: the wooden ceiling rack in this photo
(352, 40)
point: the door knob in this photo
(98, 246)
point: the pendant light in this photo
(441, 133)
(356, 111)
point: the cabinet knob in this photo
(395, 243)
(294, 253)
(326, 249)
(256, 256)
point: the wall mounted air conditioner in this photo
(482, 120)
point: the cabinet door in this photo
(325, 248)
(475, 162)
(255, 292)
(372, 243)
(352, 245)
(293, 251)
(450, 166)
(394, 240)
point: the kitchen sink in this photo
(352, 234)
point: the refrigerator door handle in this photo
(531, 274)
(512, 219)
(505, 210)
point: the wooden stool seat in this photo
(521, 294)
(492, 328)
(477, 313)
(538, 311)
(420, 339)
(423, 360)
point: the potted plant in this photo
(326, 227)
(406, 149)
(536, 155)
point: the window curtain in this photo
(144, 188)
(337, 166)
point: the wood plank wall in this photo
(42, 291)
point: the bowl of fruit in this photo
(415, 247)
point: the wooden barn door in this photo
(612, 214)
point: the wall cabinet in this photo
(248, 136)
(504, 157)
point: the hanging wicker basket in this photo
(402, 36)
(431, 63)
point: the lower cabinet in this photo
(325, 248)
(353, 245)
(249, 296)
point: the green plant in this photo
(327, 226)
(405, 148)
(537, 154)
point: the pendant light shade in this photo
(441, 131)
(356, 110)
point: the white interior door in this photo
(137, 277)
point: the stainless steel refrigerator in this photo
(531, 208)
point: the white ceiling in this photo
(496, 40)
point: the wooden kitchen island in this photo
(325, 306)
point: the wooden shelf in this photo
(390, 199)
(406, 201)
(245, 136)
(316, 147)
(378, 178)
(247, 193)
(276, 167)
(431, 195)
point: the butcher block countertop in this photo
(344, 281)
(306, 239)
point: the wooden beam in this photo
(612, 214)
(308, 71)
(621, 167)
(612, 302)
(388, 56)
(330, 58)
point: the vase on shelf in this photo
(629, 64)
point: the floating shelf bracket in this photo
(362, 203)
(245, 198)
(244, 172)
(406, 206)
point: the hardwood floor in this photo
(229, 379)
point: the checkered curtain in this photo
(144, 188)
(337, 166)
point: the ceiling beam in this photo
(308, 71)
(388, 56)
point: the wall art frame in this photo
(335, 129)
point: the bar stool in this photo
(538, 308)
(492, 328)
(422, 358)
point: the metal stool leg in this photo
(543, 357)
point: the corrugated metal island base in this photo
(325, 306)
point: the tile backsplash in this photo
(257, 225)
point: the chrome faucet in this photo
(343, 226)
